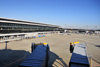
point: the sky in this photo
(65, 13)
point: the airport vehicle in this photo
(39, 56)
(79, 56)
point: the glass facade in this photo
(21, 28)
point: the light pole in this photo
(6, 44)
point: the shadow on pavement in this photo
(56, 61)
(97, 46)
(12, 58)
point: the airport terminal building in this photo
(19, 26)
(11, 29)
